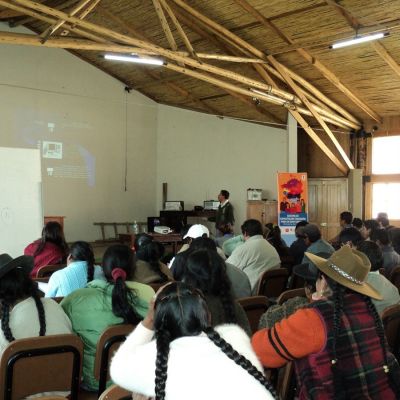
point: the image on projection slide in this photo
(64, 152)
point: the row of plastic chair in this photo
(54, 363)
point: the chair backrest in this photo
(41, 364)
(286, 383)
(391, 323)
(47, 270)
(288, 294)
(115, 392)
(157, 286)
(108, 344)
(395, 277)
(273, 282)
(254, 307)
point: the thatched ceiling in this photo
(288, 42)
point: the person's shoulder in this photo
(232, 333)
(144, 292)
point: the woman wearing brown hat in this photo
(337, 343)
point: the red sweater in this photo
(51, 254)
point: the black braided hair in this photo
(181, 310)
(83, 251)
(206, 271)
(163, 342)
(16, 285)
(121, 256)
(239, 359)
(338, 298)
(381, 334)
(5, 319)
(150, 251)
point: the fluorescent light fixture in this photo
(360, 39)
(149, 61)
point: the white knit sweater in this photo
(197, 368)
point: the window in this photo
(385, 155)
(385, 177)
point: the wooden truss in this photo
(276, 83)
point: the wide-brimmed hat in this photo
(349, 268)
(308, 271)
(7, 263)
(196, 231)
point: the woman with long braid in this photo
(205, 270)
(23, 313)
(188, 358)
(104, 303)
(80, 270)
(337, 343)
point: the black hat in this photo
(308, 271)
(7, 264)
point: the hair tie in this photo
(118, 273)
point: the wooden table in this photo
(168, 238)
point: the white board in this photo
(21, 213)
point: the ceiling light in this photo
(359, 39)
(149, 61)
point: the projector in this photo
(162, 229)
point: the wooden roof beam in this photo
(270, 96)
(383, 53)
(50, 30)
(179, 28)
(164, 25)
(313, 61)
(311, 107)
(247, 47)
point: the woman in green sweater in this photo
(101, 304)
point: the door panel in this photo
(327, 199)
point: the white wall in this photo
(48, 94)
(199, 154)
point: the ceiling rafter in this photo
(356, 25)
(328, 74)
(52, 29)
(225, 33)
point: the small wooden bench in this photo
(115, 225)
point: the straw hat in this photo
(349, 268)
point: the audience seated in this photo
(298, 247)
(239, 281)
(256, 255)
(337, 343)
(315, 243)
(389, 292)
(50, 249)
(188, 359)
(104, 303)
(205, 270)
(149, 268)
(383, 221)
(23, 313)
(395, 239)
(230, 245)
(371, 225)
(345, 221)
(350, 236)
(391, 259)
(226, 232)
(274, 237)
(79, 271)
(194, 232)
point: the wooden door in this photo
(327, 198)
